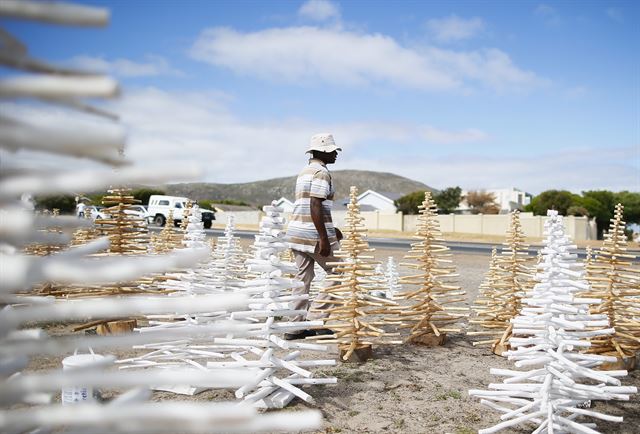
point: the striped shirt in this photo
(313, 181)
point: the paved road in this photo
(402, 243)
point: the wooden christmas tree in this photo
(54, 234)
(351, 316)
(615, 279)
(500, 299)
(486, 306)
(169, 238)
(435, 299)
(128, 234)
(552, 326)
(84, 235)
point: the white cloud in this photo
(175, 128)
(167, 126)
(454, 28)
(615, 14)
(152, 65)
(554, 170)
(319, 10)
(199, 127)
(548, 14)
(345, 58)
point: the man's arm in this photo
(318, 221)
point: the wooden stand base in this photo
(499, 349)
(117, 327)
(628, 363)
(429, 340)
(359, 355)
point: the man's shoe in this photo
(324, 332)
(299, 335)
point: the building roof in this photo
(341, 205)
(220, 207)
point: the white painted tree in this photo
(393, 279)
(55, 131)
(220, 275)
(279, 374)
(553, 326)
(378, 286)
(228, 265)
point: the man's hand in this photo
(323, 247)
(339, 235)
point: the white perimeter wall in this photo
(578, 228)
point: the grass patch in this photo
(454, 394)
(464, 430)
(399, 423)
(353, 413)
(348, 375)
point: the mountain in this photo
(259, 193)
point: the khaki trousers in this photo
(305, 262)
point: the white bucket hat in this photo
(323, 142)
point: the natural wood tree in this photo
(482, 202)
(615, 280)
(434, 296)
(353, 307)
(509, 278)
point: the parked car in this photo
(160, 205)
(97, 212)
(138, 211)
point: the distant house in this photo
(509, 199)
(285, 203)
(380, 201)
(220, 207)
(369, 201)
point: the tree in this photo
(579, 211)
(482, 202)
(448, 199)
(631, 203)
(559, 200)
(408, 204)
(143, 194)
(205, 204)
(600, 204)
(65, 203)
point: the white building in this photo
(286, 204)
(509, 199)
(369, 201)
(379, 201)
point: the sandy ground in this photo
(411, 389)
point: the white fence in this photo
(578, 228)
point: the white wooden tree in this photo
(27, 397)
(220, 275)
(553, 326)
(378, 287)
(279, 372)
(228, 266)
(393, 279)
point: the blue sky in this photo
(533, 95)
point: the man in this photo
(80, 207)
(311, 234)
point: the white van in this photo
(160, 205)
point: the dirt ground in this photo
(411, 389)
